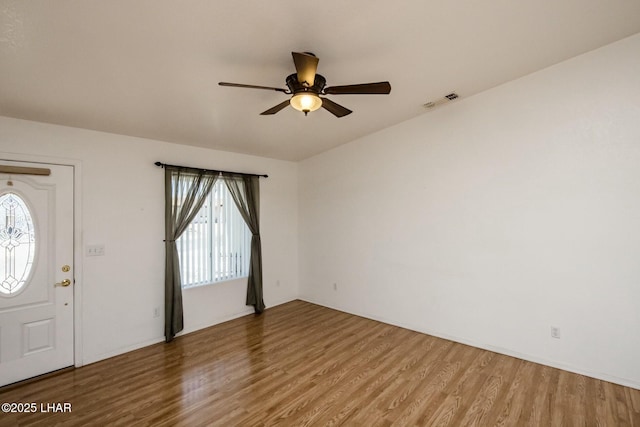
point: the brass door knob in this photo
(64, 283)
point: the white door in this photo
(36, 271)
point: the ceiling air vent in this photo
(432, 104)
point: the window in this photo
(17, 243)
(216, 246)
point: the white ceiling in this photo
(150, 68)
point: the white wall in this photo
(122, 207)
(486, 221)
(495, 217)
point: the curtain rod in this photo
(162, 165)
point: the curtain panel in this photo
(245, 191)
(185, 192)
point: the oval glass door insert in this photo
(17, 243)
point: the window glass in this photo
(17, 243)
(216, 245)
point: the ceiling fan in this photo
(306, 86)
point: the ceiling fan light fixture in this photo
(306, 102)
(305, 87)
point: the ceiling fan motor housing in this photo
(296, 87)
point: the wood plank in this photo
(22, 170)
(302, 364)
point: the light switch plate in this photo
(95, 250)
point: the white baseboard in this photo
(185, 331)
(215, 321)
(248, 310)
(551, 363)
(118, 352)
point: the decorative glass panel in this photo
(17, 243)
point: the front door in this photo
(36, 269)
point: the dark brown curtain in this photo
(245, 191)
(185, 192)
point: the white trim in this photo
(77, 238)
(221, 319)
(247, 312)
(216, 321)
(551, 363)
(123, 350)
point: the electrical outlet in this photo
(156, 312)
(335, 286)
(277, 282)
(555, 332)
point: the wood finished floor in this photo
(302, 364)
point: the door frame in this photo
(77, 238)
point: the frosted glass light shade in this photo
(306, 102)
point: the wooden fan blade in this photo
(379, 88)
(275, 109)
(335, 109)
(278, 89)
(306, 66)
